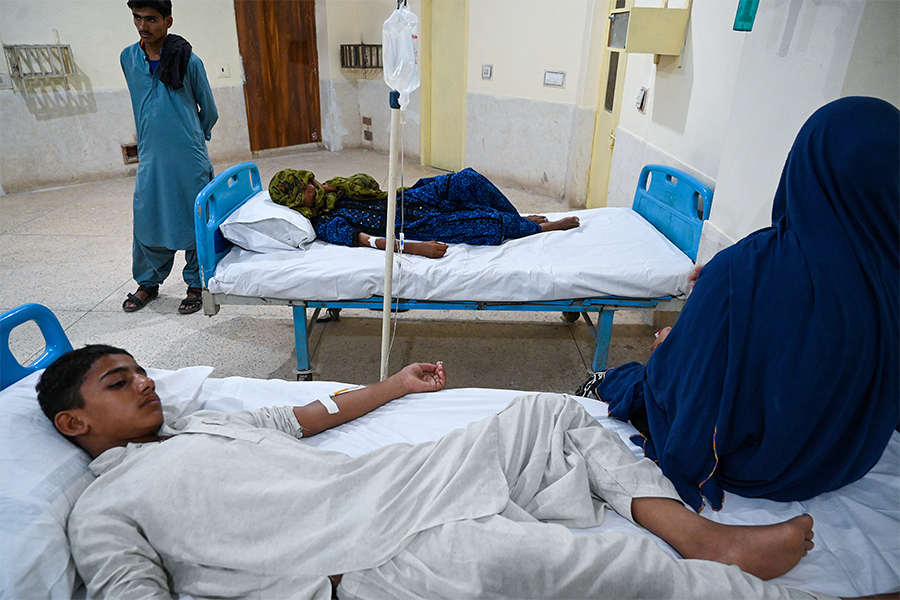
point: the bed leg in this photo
(210, 308)
(301, 341)
(602, 337)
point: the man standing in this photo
(174, 113)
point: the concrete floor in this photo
(70, 249)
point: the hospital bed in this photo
(253, 251)
(857, 548)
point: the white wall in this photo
(61, 131)
(731, 115)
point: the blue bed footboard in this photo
(673, 201)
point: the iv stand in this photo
(393, 176)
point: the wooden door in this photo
(277, 39)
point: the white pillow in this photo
(261, 225)
(41, 476)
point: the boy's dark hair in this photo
(59, 388)
(163, 7)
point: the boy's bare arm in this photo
(417, 377)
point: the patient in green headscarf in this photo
(461, 208)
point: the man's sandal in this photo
(193, 302)
(137, 303)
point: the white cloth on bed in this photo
(615, 252)
(233, 510)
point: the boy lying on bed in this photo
(232, 505)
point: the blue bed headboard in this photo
(56, 343)
(675, 203)
(214, 203)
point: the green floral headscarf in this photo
(289, 186)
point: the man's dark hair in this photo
(59, 388)
(163, 7)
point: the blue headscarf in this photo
(780, 379)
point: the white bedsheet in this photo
(615, 252)
(856, 528)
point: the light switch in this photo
(641, 101)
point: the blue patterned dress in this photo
(457, 208)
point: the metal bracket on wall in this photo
(40, 61)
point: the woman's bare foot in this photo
(562, 224)
(536, 219)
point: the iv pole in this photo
(389, 232)
(394, 46)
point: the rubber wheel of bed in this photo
(571, 317)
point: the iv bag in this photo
(400, 39)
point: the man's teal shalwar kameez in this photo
(173, 127)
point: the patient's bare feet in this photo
(536, 219)
(767, 551)
(562, 224)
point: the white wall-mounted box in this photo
(648, 30)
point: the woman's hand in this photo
(660, 336)
(430, 249)
(427, 249)
(423, 377)
(694, 275)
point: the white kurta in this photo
(234, 506)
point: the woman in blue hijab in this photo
(780, 378)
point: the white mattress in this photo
(615, 252)
(856, 528)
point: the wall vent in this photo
(130, 153)
(361, 56)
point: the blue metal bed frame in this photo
(56, 343)
(673, 201)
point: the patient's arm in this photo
(417, 377)
(427, 249)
